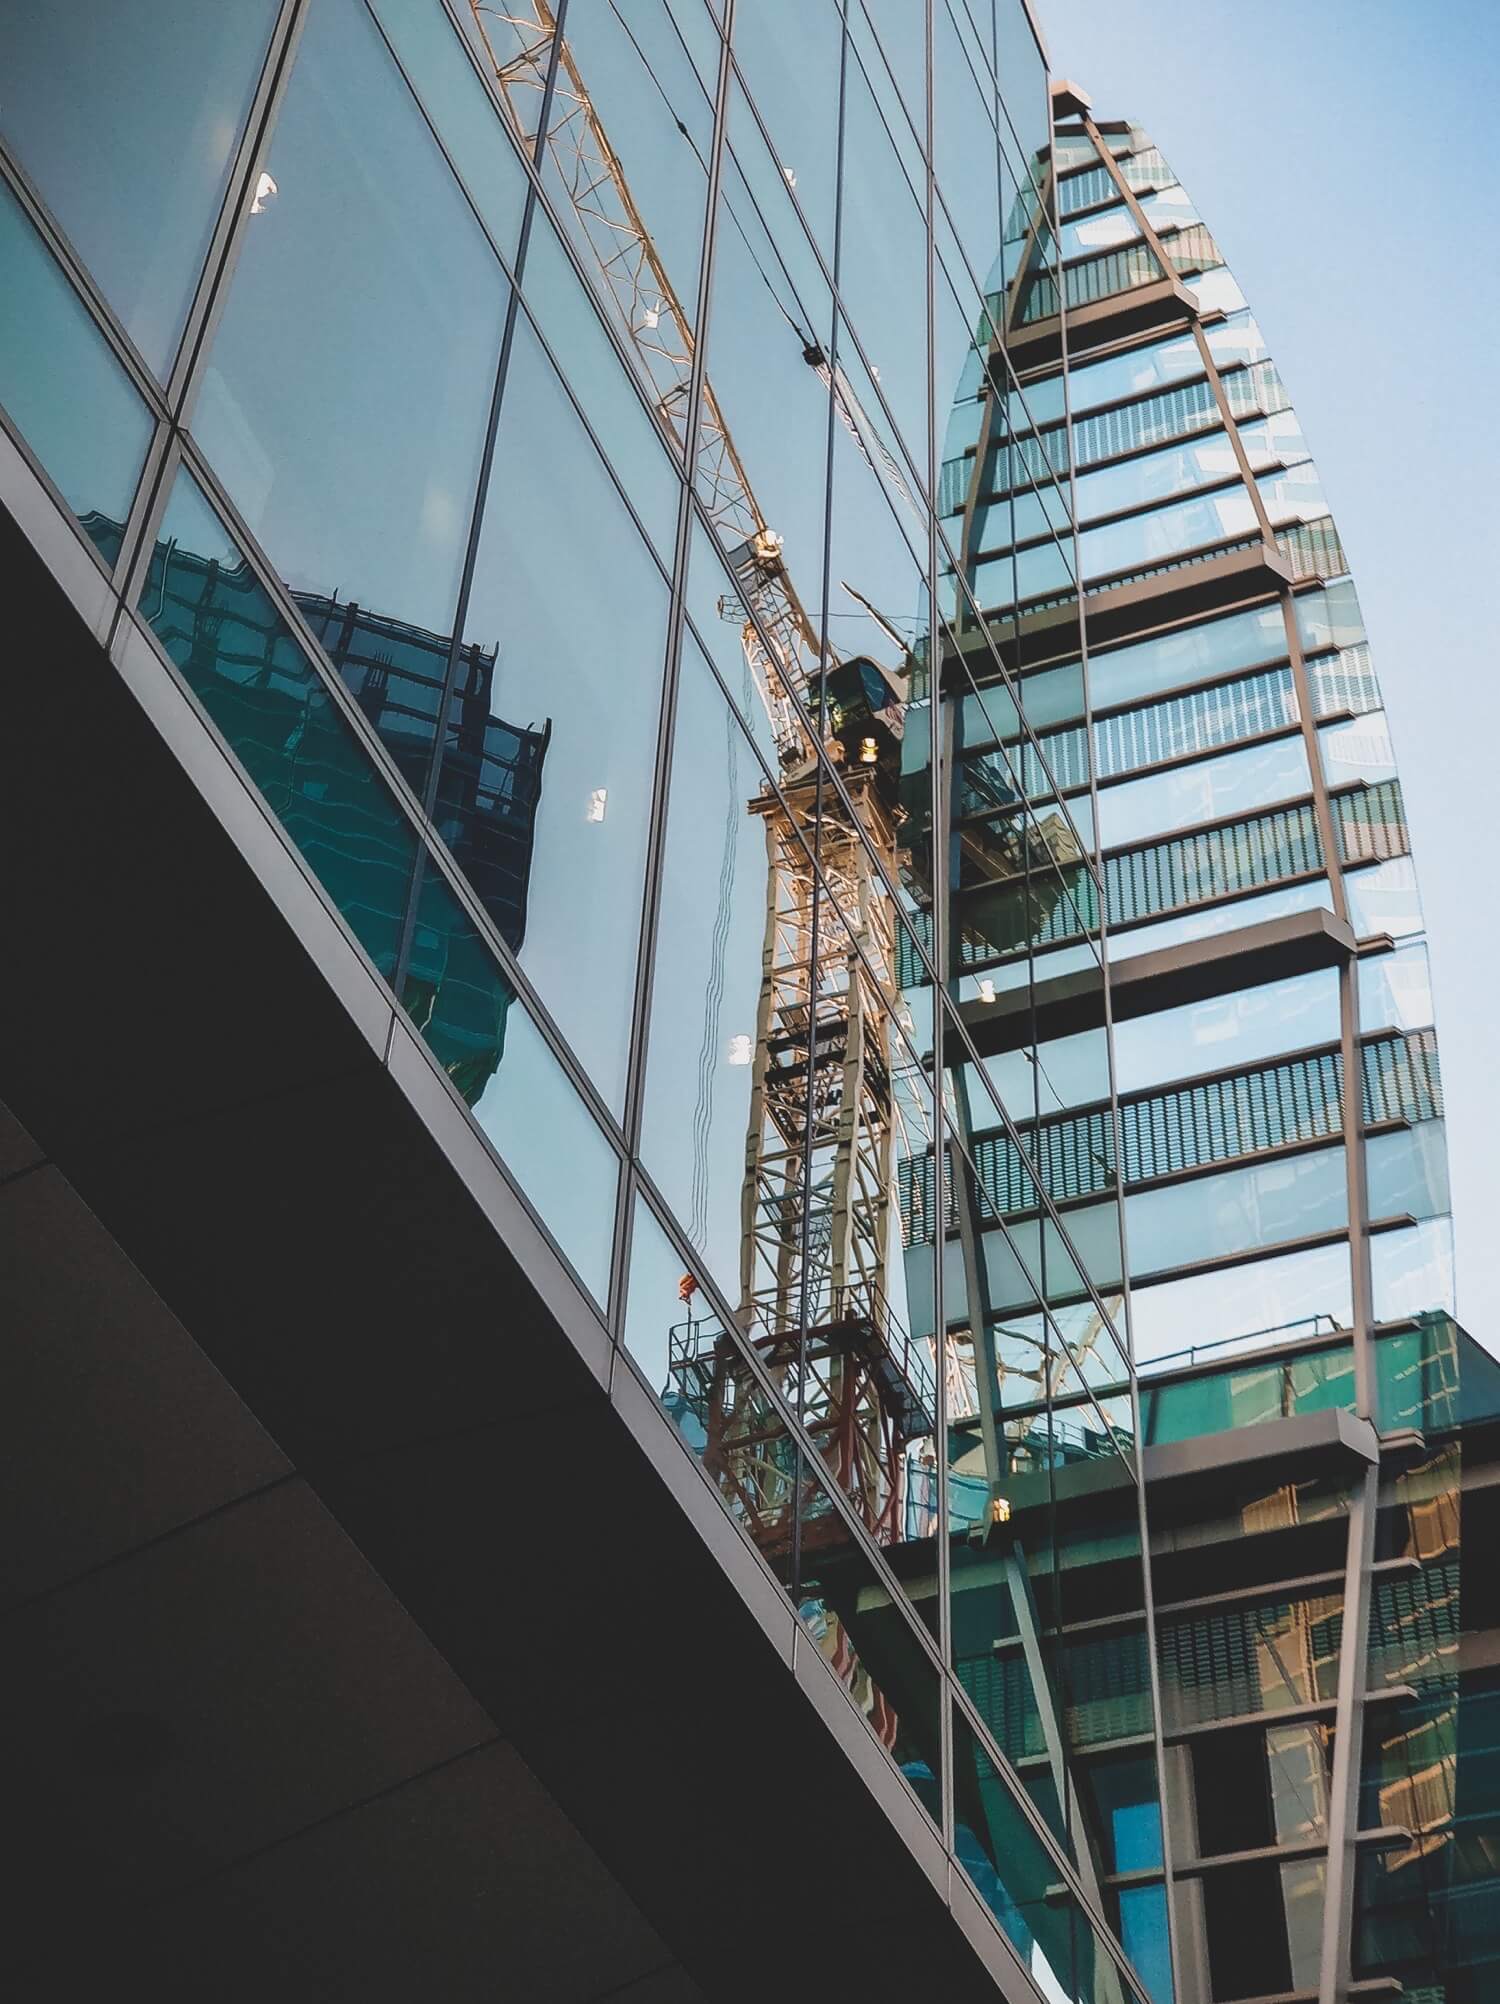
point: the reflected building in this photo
(753, 1115)
(1170, 1001)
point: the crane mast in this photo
(817, 1204)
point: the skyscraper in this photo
(701, 811)
(1186, 780)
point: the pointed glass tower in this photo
(1186, 942)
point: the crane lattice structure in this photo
(817, 1203)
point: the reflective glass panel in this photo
(1395, 989)
(711, 935)
(1017, 1880)
(467, 1013)
(128, 122)
(1156, 476)
(463, 111)
(1412, 1269)
(1207, 790)
(63, 389)
(1227, 1030)
(1189, 654)
(1236, 1211)
(1292, 1295)
(581, 663)
(349, 437)
(1167, 532)
(275, 712)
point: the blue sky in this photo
(1341, 156)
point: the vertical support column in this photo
(1335, 1971)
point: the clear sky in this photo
(1341, 154)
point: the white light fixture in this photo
(741, 1050)
(791, 178)
(265, 193)
(651, 317)
(598, 800)
(986, 991)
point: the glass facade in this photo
(1210, 732)
(776, 589)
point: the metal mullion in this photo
(508, 256)
(1336, 1952)
(185, 452)
(676, 616)
(1047, 1212)
(849, 323)
(82, 281)
(746, 1351)
(820, 769)
(228, 240)
(1046, 1208)
(1066, 1871)
(937, 808)
(218, 264)
(437, 751)
(1127, 1349)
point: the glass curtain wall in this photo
(539, 445)
(1239, 1133)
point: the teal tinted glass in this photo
(468, 1014)
(127, 120)
(259, 688)
(1018, 1881)
(63, 389)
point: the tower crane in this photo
(817, 1203)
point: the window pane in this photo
(1156, 476)
(1208, 790)
(64, 390)
(571, 327)
(1218, 919)
(1167, 532)
(126, 119)
(1191, 654)
(1228, 1030)
(1407, 1172)
(1236, 1211)
(349, 385)
(458, 104)
(1395, 989)
(258, 686)
(1296, 1295)
(1412, 1269)
(711, 936)
(467, 1013)
(1015, 1876)
(579, 635)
